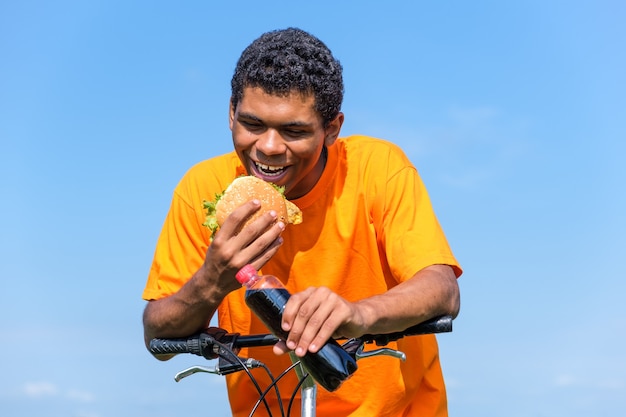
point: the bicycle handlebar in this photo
(210, 345)
(442, 324)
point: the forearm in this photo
(431, 292)
(314, 315)
(181, 314)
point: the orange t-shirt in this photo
(367, 225)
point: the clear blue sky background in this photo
(513, 112)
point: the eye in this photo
(296, 133)
(252, 126)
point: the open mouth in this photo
(269, 171)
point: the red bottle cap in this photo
(246, 274)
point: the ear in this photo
(231, 114)
(333, 129)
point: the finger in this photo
(320, 326)
(258, 241)
(255, 228)
(325, 332)
(259, 249)
(290, 313)
(257, 244)
(262, 232)
(238, 217)
(266, 254)
(311, 316)
(280, 348)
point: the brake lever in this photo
(222, 368)
(193, 370)
(216, 343)
(356, 348)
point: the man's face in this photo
(280, 139)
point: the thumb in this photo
(280, 348)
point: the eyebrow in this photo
(294, 123)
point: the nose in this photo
(271, 143)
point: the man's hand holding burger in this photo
(240, 242)
(250, 218)
(246, 221)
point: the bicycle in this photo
(217, 343)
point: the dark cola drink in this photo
(266, 296)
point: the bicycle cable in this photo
(226, 349)
(295, 391)
(262, 396)
(274, 384)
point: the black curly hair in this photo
(286, 60)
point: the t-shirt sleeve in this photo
(412, 236)
(180, 249)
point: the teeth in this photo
(269, 169)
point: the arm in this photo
(191, 308)
(316, 314)
(184, 312)
(431, 292)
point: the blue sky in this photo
(514, 114)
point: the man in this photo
(369, 257)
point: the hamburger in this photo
(244, 189)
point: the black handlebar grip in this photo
(441, 324)
(176, 346)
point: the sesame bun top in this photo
(246, 188)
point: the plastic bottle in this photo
(266, 296)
